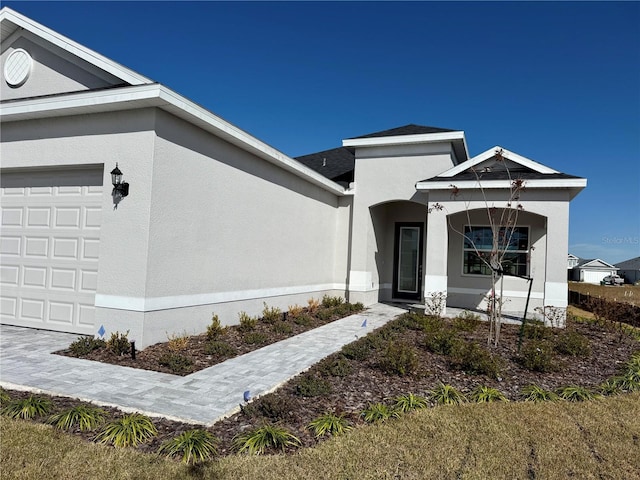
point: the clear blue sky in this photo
(556, 82)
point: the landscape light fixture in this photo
(120, 188)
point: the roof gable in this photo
(631, 264)
(55, 63)
(595, 263)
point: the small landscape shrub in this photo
(357, 307)
(215, 330)
(572, 343)
(329, 302)
(282, 328)
(538, 356)
(399, 359)
(295, 310)
(255, 338)
(447, 395)
(176, 362)
(377, 412)
(534, 393)
(256, 441)
(575, 393)
(325, 314)
(271, 314)
(85, 345)
(82, 417)
(535, 330)
(484, 394)
(247, 322)
(303, 319)
(313, 304)
(273, 407)
(311, 386)
(27, 408)
(409, 402)
(119, 343)
(128, 431)
(192, 446)
(4, 396)
(342, 310)
(442, 341)
(472, 358)
(466, 321)
(329, 423)
(220, 349)
(336, 367)
(362, 348)
(177, 343)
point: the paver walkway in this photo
(26, 363)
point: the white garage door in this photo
(49, 248)
(593, 276)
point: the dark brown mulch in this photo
(366, 382)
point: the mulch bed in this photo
(352, 385)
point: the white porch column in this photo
(555, 285)
(436, 246)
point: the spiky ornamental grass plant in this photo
(4, 397)
(83, 417)
(409, 402)
(447, 395)
(329, 423)
(484, 394)
(130, 430)
(534, 393)
(377, 412)
(574, 393)
(192, 446)
(27, 408)
(256, 441)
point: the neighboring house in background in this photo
(572, 261)
(218, 221)
(592, 270)
(629, 270)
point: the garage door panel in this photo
(50, 248)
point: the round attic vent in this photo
(17, 67)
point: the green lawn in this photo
(596, 439)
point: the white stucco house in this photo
(216, 220)
(592, 270)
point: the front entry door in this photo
(407, 262)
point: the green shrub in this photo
(311, 386)
(82, 417)
(85, 345)
(215, 330)
(271, 314)
(538, 356)
(255, 338)
(376, 413)
(303, 319)
(27, 408)
(325, 314)
(4, 397)
(329, 302)
(442, 341)
(472, 358)
(575, 393)
(192, 446)
(357, 307)
(572, 343)
(176, 362)
(220, 349)
(282, 328)
(447, 395)
(119, 343)
(342, 310)
(534, 393)
(247, 322)
(484, 394)
(361, 349)
(535, 330)
(409, 402)
(128, 431)
(336, 367)
(399, 359)
(273, 407)
(329, 423)
(466, 321)
(258, 440)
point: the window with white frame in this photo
(478, 245)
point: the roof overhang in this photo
(486, 155)
(456, 138)
(12, 23)
(158, 96)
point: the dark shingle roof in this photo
(410, 129)
(631, 264)
(522, 174)
(336, 164)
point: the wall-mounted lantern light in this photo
(120, 188)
